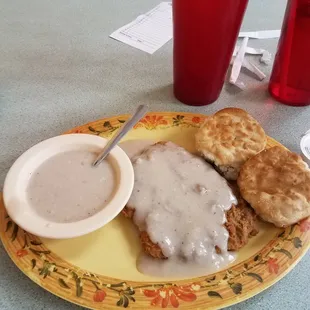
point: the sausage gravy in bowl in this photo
(53, 190)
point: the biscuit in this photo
(276, 183)
(228, 139)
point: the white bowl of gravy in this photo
(53, 191)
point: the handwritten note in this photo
(150, 31)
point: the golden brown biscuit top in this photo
(230, 137)
(276, 183)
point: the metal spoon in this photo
(142, 109)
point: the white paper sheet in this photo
(250, 50)
(150, 31)
(251, 67)
(266, 58)
(265, 55)
(237, 64)
(264, 34)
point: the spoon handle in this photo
(142, 109)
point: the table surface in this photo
(59, 69)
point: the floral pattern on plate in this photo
(96, 291)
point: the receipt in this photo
(149, 31)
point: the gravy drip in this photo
(67, 188)
(180, 201)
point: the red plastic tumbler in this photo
(290, 78)
(204, 36)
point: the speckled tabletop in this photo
(59, 69)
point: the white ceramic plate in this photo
(305, 144)
(17, 179)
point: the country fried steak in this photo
(240, 218)
(241, 225)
